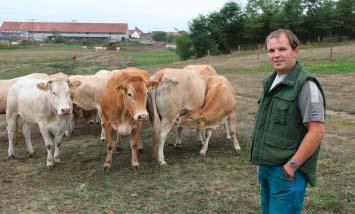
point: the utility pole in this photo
(32, 20)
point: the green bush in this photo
(183, 46)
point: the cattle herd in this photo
(192, 97)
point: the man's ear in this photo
(74, 84)
(43, 86)
(121, 89)
(202, 121)
(152, 84)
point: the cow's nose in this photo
(65, 110)
(142, 117)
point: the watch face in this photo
(293, 163)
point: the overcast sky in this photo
(148, 15)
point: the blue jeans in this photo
(279, 194)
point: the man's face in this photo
(281, 55)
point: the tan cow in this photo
(123, 106)
(87, 95)
(220, 105)
(178, 90)
(205, 71)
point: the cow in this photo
(45, 102)
(5, 85)
(87, 95)
(205, 71)
(178, 90)
(123, 108)
(220, 106)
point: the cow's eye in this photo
(191, 118)
(54, 93)
(129, 94)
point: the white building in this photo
(43, 30)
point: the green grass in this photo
(151, 58)
(221, 182)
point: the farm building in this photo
(136, 33)
(71, 30)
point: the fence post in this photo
(258, 51)
(208, 53)
(318, 41)
(331, 52)
(239, 49)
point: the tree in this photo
(159, 36)
(183, 46)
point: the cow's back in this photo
(205, 71)
(179, 90)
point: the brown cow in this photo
(220, 105)
(123, 107)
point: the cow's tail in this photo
(155, 120)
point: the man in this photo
(289, 128)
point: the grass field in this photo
(221, 182)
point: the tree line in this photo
(232, 27)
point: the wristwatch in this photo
(293, 164)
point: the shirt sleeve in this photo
(310, 103)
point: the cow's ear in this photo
(74, 84)
(152, 84)
(43, 86)
(121, 89)
(202, 121)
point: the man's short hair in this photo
(292, 38)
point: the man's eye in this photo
(54, 93)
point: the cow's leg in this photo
(26, 130)
(109, 146)
(70, 126)
(57, 143)
(233, 127)
(103, 135)
(136, 137)
(205, 143)
(226, 127)
(165, 128)
(178, 136)
(200, 136)
(48, 142)
(11, 129)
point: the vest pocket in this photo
(278, 149)
(282, 108)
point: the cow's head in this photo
(59, 94)
(192, 119)
(134, 92)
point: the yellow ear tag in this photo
(202, 123)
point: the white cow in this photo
(46, 103)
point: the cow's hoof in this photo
(56, 160)
(102, 141)
(203, 153)
(237, 152)
(140, 151)
(135, 169)
(90, 122)
(50, 164)
(162, 163)
(229, 137)
(30, 155)
(199, 143)
(11, 157)
(107, 167)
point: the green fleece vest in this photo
(279, 128)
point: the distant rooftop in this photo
(64, 27)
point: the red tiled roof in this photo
(65, 27)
